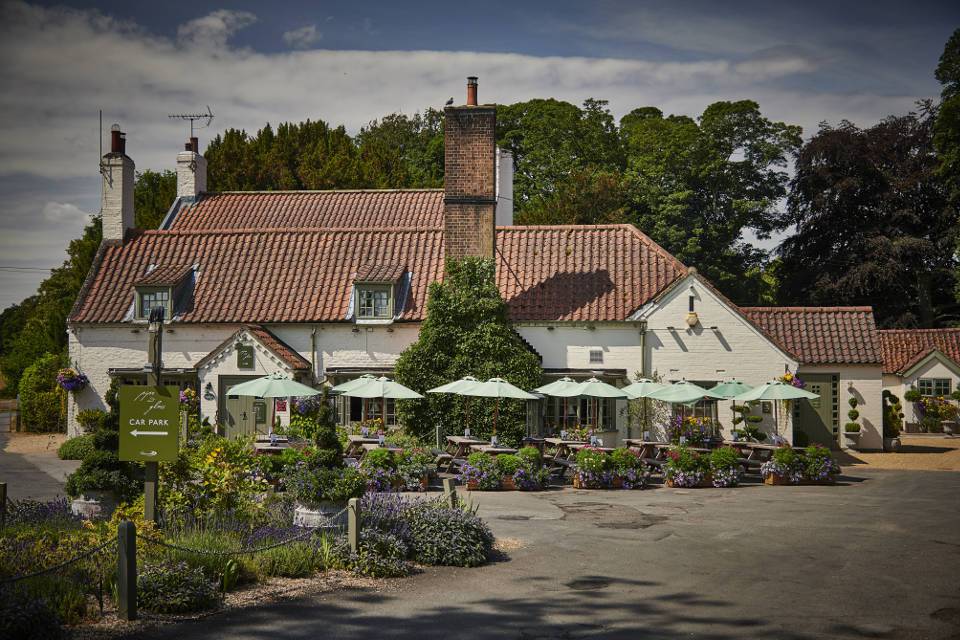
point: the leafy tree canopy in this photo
(874, 224)
(466, 332)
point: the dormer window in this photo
(379, 290)
(148, 298)
(169, 287)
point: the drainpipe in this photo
(644, 363)
(313, 354)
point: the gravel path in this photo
(917, 453)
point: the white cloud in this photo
(213, 30)
(64, 213)
(302, 38)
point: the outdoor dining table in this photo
(580, 445)
(562, 448)
(458, 448)
(354, 442)
(491, 449)
(373, 446)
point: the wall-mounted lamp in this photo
(208, 393)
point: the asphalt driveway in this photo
(876, 557)
(37, 474)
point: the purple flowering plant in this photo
(70, 379)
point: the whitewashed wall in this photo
(866, 383)
(899, 385)
(734, 349)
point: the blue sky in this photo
(350, 62)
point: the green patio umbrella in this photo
(683, 392)
(731, 389)
(596, 389)
(641, 390)
(352, 384)
(382, 388)
(498, 388)
(565, 387)
(457, 387)
(275, 385)
(775, 390)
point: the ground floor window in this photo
(934, 386)
(354, 409)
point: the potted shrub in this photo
(507, 465)
(725, 467)
(593, 469)
(851, 430)
(913, 396)
(784, 467)
(687, 469)
(414, 467)
(892, 421)
(380, 470)
(480, 473)
(819, 467)
(629, 468)
(531, 475)
(321, 491)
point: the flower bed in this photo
(688, 469)
(814, 465)
(620, 469)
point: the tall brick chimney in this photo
(117, 169)
(470, 196)
(191, 171)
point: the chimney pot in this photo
(194, 144)
(117, 140)
(472, 91)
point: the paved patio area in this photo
(876, 557)
(927, 452)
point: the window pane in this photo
(925, 386)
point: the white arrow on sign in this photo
(148, 453)
(136, 433)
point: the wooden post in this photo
(151, 471)
(449, 493)
(353, 524)
(127, 570)
(3, 504)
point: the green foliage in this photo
(466, 332)
(946, 128)
(448, 537)
(892, 415)
(297, 559)
(380, 555)
(507, 464)
(76, 448)
(90, 419)
(379, 459)
(25, 616)
(210, 543)
(592, 461)
(312, 484)
(878, 189)
(41, 399)
(102, 471)
(153, 194)
(724, 458)
(530, 455)
(786, 457)
(682, 459)
(174, 587)
(623, 459)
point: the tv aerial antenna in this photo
(194, 118)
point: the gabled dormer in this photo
(167, 286)
(379, 289)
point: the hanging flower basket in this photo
(72, 380)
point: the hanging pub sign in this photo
(149, 423)
(245, 356)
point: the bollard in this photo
(450, 493)
(353, 523)
(3, 504)
(127, 571)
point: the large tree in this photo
(466, 332)
(947, 126)
(874, 223)
(698, 185)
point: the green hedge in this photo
(76, 448)
(41, 400)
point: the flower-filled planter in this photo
(687, 469)
(725, 467)
(620, 469)
(814, 465)
(480, 473)
(72, 380)
(321, 491)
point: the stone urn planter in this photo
(851, 439)
(95, 504)
(891, 444)
(322, 515)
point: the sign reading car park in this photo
(149, 423)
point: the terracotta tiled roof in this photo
(380, 272)
(902, 348)
(164, 275)
(821, 335)
(400, 209)
(590, 273)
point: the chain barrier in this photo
(81, 556)
(241, 552)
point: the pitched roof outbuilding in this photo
(902, 348)
(821, 335)
(395, 209)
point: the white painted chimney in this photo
(504, 213)
(117, 169)
(191, 171)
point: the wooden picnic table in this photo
(580, 445)
(266, 447)
(373, 446)
(458, 448)
(561, 447)
(355, 442)
(492, 450)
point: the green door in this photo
(815, 416)
(239, 412)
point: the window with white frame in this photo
(373, 302)
(934, 386)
